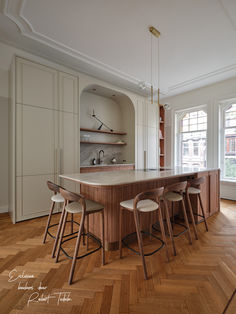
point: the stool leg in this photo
(61, 236)
(103, 240)
(72, 222)
(203, 213)
(76, 248)
(58, 231)
(163, 232)
(192, 216)
(87, 231)
(140, 242)
(120, 231)
(169, 227)
(83, 236)
(186, 221)
(150, 226)
(48, 222)
(172, 215)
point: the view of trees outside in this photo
(230, 143)
(193, 132)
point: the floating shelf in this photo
(102, 131)
(102, 143)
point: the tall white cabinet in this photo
(44, 135)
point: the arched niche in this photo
(117, 111)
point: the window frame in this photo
(179, 114)
(224, 106)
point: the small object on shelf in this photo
(94, 161)
(102, 123)
(160, 134)
(120, 142)
(85, 137)
(113, 160)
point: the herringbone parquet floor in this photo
(199, 280)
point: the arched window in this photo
(228, 142)
(191, 143)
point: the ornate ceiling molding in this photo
(13, 9)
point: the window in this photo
(191, 138)
(228, 154)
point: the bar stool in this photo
(56, 198)
(77, 204)
(194, 189)
(145, 202)
(175, 193)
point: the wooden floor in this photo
(199, 280)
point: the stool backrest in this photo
(196, 182)
(73, 197)
(153, 195)
(53, 187)
(179, 187)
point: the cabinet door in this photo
(68, 90)
(152, 147)
(68, 147)
(33, 198)
(36, 84)
(38, 140)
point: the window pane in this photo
(193, 128)
(230, 153)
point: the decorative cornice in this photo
(13, 9)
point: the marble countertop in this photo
(111, 178)
(108, 165)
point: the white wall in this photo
(211, 96)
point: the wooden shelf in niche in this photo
(103, 131)
(102, 143)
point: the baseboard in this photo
(3, 209)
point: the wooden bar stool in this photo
(77, 204)
(56, 198)
(194, 189)
(145, 202)
(175, 193)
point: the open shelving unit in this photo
(162, 136)
(103, 132)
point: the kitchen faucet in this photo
(99, 156)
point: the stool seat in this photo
(142, 206)
(173, 197)
(57, 198)
(76, 207)
(192, 190)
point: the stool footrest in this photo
(90, 252)
(143, 232)
(175, 223)
(200, 221)
(66, 235)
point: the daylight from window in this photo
(230, 143)
(193, 135)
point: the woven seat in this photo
(142, 206)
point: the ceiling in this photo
(109, 39)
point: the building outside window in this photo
(228, 142)
(191, 139)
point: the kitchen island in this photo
(112, 187)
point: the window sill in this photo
(228, 181)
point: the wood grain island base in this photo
(110, 188)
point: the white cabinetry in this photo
(45, 113)
(146, 140)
